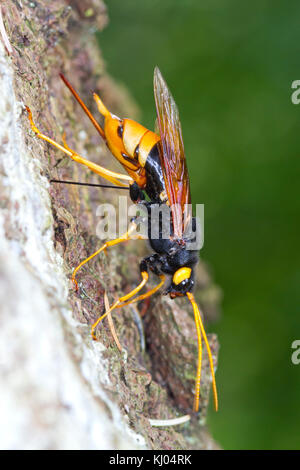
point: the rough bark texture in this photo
(60, 389)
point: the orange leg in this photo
(145, 277)
(147, 294)
(122, 239)
(136, 299)
(111, 176)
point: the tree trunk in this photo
(59, 388)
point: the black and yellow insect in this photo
(156, 166)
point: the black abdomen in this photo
(155, 186)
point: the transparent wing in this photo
(172, 155)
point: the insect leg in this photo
(111, 176)
(147, 294)
(123, 238)
(126, 297)
(101, 107)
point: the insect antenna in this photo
(90, 184)
(200, 329)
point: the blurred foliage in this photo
(230, 66)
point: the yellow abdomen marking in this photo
(146, 144)
(181, 274)
(133, 132)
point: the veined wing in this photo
(172, 155)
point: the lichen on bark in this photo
(61, 389)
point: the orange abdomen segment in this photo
(132, 134)
(113, 136)
(114, 130)
(129, 142)
(146, 144)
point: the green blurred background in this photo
(230, 65)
